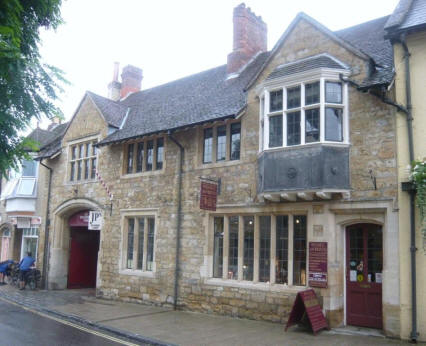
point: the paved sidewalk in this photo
(156, 325)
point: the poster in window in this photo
(318, 264)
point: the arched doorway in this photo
(84, 247)
(364, 267)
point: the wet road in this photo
(21, 327)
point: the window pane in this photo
(374, 254)
(293, 97)
(208, 145)
(74, 152)
(86, 169)
(79, 168)
(88, 149)
(93, 173)
(221, 143)
(281, 259)
(333, 124)
(312, 93)
(130, 238)
(312, 125)
(265, 248)
(139, 157)
(160, 152)
(218, 248)
(293, 128)
(72, 169)
(81, 151)
(130, 158)
(29, 168)
(94, 149)
(26, 186)
(248, 247)
(299, 248)
(150, 248)
(149, 155)
(275, 100)
(140, 243)
(276, 131)
(233, 248)
(333, 92)
(235, 141)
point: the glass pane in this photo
(81, 151)
(29, 168)
(150, 248)
(130, 238)
(275, 131)
(293, 128)
(94, 149)
(72, 169)
(149, 155)
(265, 248)
(293, 97)
(86, 169)
(233, 248)
(356, 254)
(281, 259)
(374, 255)
(333, 92)
(333, 124)
(248, 247)
(218, 248)
(160, 151)
(140, 243)
(30, 245)
(221, 143)
(312, 93)
(93, 173)
(312, 125)
(276, 101)
(130, 158)
(26, 187)
(74, 152)
(299, 248)
(208, 145)
(139, 157)
(235, 141)
(88, 149)
(79, 169)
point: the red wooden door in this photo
(364, 264)
(84, 246)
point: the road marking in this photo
(127, 343)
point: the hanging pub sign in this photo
(307, 303)
(318, 264)
(95, 220)
(208, 195)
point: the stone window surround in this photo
(70, 144)
(322, 75)
(255, 284)
(134, 213)
(227, 161)
(154, 171)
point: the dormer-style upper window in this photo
(144, 156)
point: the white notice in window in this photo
(352, 275)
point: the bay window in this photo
(314, 111)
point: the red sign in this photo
(80, 219)
(307, 302)
(208, 196)
(318, 264)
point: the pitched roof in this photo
(42, 137)
(54, 144)
(313, 62)
(113, 112)
(409, 14)
(196, 99)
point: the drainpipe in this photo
(413, 248)
(178, 219)
(46, 229)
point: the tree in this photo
(28, 88)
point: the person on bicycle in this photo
(24, 266)
(4, 270)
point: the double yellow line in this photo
(105, 336)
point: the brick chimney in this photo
(131, 80)
(115, 86)
(250, 37)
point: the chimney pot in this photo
(131, 80)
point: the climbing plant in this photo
(418, 177)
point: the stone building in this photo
(300, 146)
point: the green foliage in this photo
(418, 177)
(28, 88)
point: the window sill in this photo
(142, 174)
(140, 273)
(91, 181)
(224, 163)
(261, 286)
(300, 146)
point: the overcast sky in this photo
(170, 39)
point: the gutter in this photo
(46, 230)
(178, 220)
